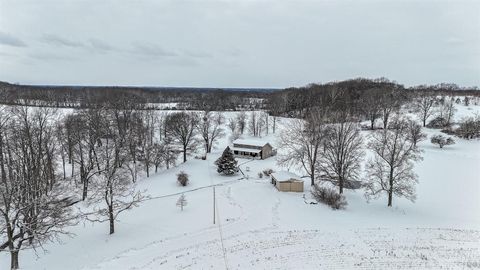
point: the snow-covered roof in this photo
(253, 142)
(248, 150)
(283, 176)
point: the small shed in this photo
(252, 148)
(287, 181)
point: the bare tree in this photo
(242, 121)
(302, 141)
(253, 124)
(210, 129)
(424, 106)
(446, 112)
(33, 206)
(232, 124)
(391, 169)
(342, 152)
(112, 185)
(389, 103)
(371, 106)
(85, 129)
(181, 127)
(415, 133)
(147, 139)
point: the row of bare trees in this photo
(327, 145)
(34, 201)
(51, 161)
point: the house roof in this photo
(253, 142)
(283, 176)
(248, 150)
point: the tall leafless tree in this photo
(210, 128)
(424, 106)
(342, 152)
(371, 106)
(242, 121)
(181, 127)
(391, 169)
(302, 142)
(112, 185)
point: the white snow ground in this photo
(260, 228)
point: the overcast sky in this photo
(238, 43)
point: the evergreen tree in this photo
(226, 163)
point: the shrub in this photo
(260, 175)
(329, 197)
(438, 122)
(469, 128)
(182, 179)
(268, 172)
(442, 140)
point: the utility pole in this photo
(213, 204)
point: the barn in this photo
(252, 148)
(287, 181)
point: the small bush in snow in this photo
(182, 178)
(469, 128)
(442, 140)
(260, 175)
(438, 122)
(268, 172)
(329, 197)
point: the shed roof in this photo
(284, 176)
(253, 142)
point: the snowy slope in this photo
(261, 228)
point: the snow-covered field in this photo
(258, 227)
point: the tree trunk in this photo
(390, 188)
(340, 184)
(385, 121)
(390, 198)
(184, 154)
(112, 221)
(14, 259)
(85, 190)
(64, 168)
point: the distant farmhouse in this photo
(253, 148)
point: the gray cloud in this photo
(45, 56)
(197, 54)
(10, 40)
(150, 49)
(100, 45)
(238, 43)
(60, 41)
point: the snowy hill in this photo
(258, 227)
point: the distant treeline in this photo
(351, 95)
(92, 96)
(355, 96)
